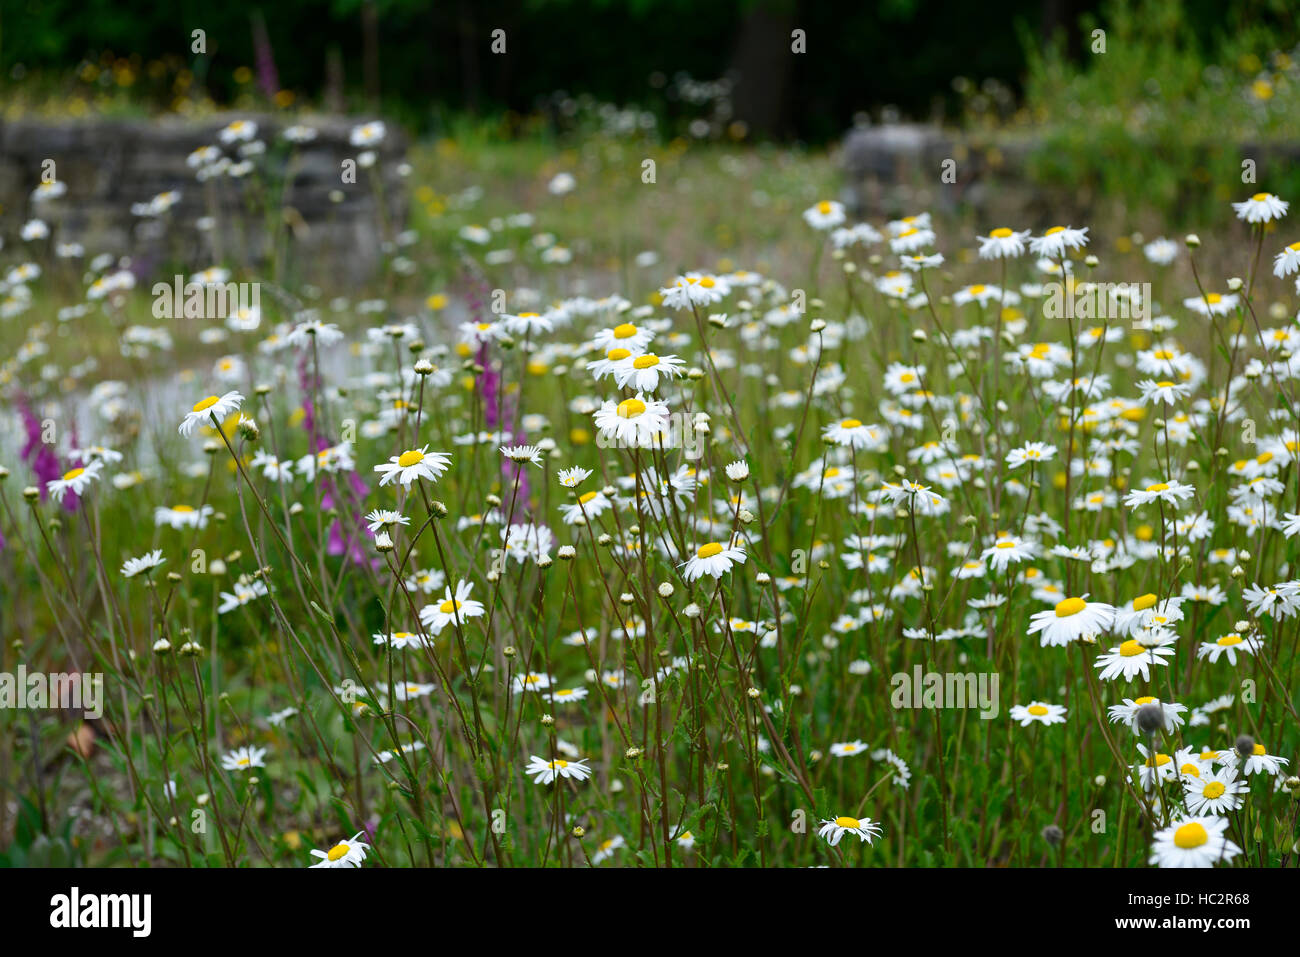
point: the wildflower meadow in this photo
(650, 503)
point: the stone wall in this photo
(108, 165)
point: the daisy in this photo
(1214, 792)
(1261, 208)
(642, 373)
(588, 506)
(1030, 452)
(568, 695)
(1212, 304)
(343, 854)
(847, 749)
(1259, 761)
(1229, 645)
(523, 453)
(1170, 492)
(1070, 620)
(1054, 243)
(632, 423)
(452, 609)
(1165, 391)
(413, 464)
(850, 433)
(1131, 658)
(605, 849)
(978, 293)
(1193, 842)
(1007, 550)
(76, 480)
(241, 759)
(182, 516)
(1038, 711)
(385, 518)
(532, 681)
(825, 215)
(714, 559)
(544, 772)
(209, 409)
(1287, 261)
(147, 562)
(1002, 243)
(572, 478)
(864, 829)
(242, 595)
(1128, 712)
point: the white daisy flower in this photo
(414, 464)
(213, 407)
(1193, 842)
(349, 853)
(864, 829)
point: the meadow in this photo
(662, 516)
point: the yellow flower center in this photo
(976, 289)
(1145, 602)
(407, 459)
(1191, 835)
(587, 497)
(1037, 710)
(1213, 790)
(614, 355)
(624, 331)
(709, 550)
(1260, 749)
(1227, 640)
(630, 408)
(1158, 760)
(1260, 197)
(850, 822)
(1191, 769)
(1071, 606)
(183, 508)
(1213, 298)
(1131, 648)
(1009, 545)
(557, 763)
(824, 207)
(207, 403)
(449, 606)
(337, 851)
(1001, 233)
(645, 362)
(69, 476)
(1145, 699)
(1054, 230)
(850, 424)
(1158, 487)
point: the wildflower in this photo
(349, 853)
(414, 464)
(544, 772)
(1261, 208)
(75, 480)
(1002, 243)
(453, 608)
(714, 559)
(864, 829)
(1193, 842)
(1070, 620)
(213, 408)
(1037, 711)
(241, 759)
(147, 562)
